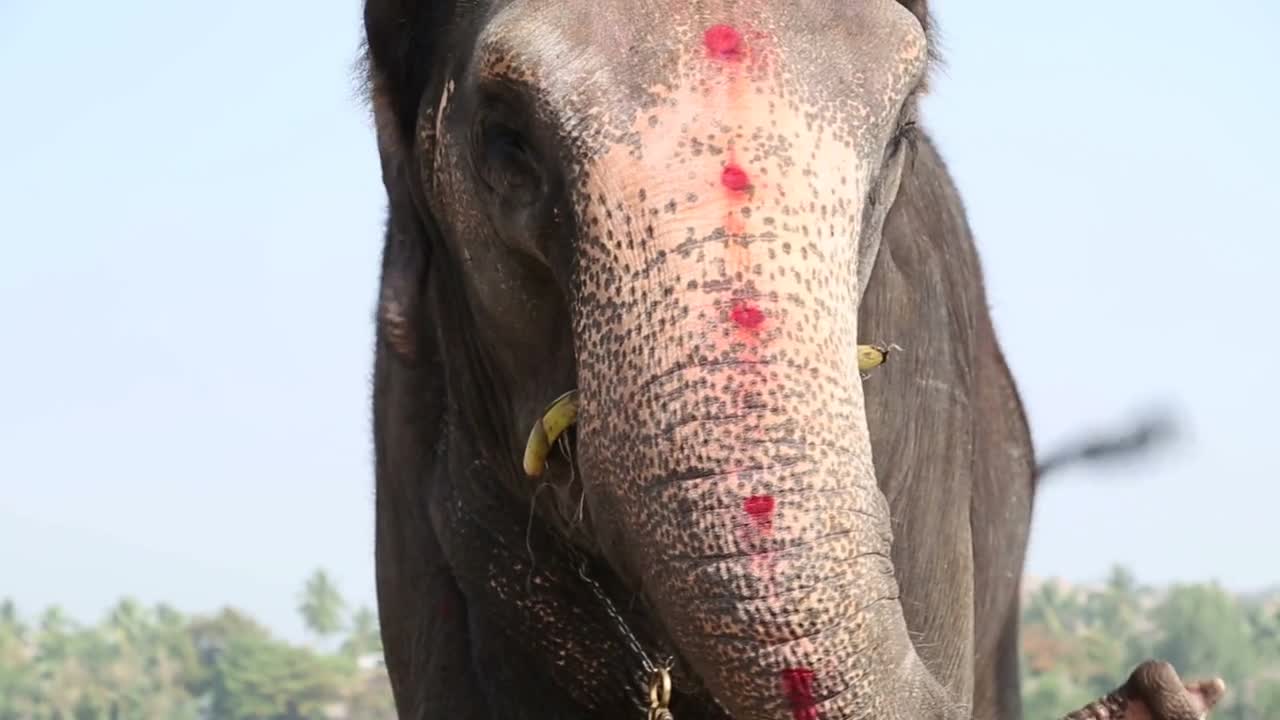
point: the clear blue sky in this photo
(190, 209)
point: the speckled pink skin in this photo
(724, 368)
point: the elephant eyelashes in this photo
(905, 136)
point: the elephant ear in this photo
(402, 43)
(407, 249)
(408, 391)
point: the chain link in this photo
(659, 675)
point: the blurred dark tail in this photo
(1098, 447)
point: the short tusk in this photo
(562, 413)
(558, 417)
(870, 356)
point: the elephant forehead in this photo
(596, 65)
(707, 166)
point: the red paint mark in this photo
(749, 317)
(734, 178)
(755, 536)
(723, 42)
(797, 684)
(760, 508)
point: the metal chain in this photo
(609, 608)
(659, 677)
(659, 685)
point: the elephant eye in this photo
(506, 161)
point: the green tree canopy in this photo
(156, 663)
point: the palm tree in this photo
(321, 605)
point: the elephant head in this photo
(675, 209)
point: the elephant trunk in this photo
(723, 433)
(721, 429)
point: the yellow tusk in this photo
(870, 356)
(558, 417)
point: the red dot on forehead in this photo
(734, 178)
(723, 41)
(747, 315)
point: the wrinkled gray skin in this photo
(694, 230)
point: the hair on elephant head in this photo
(691, 214)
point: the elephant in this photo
(691, 215)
